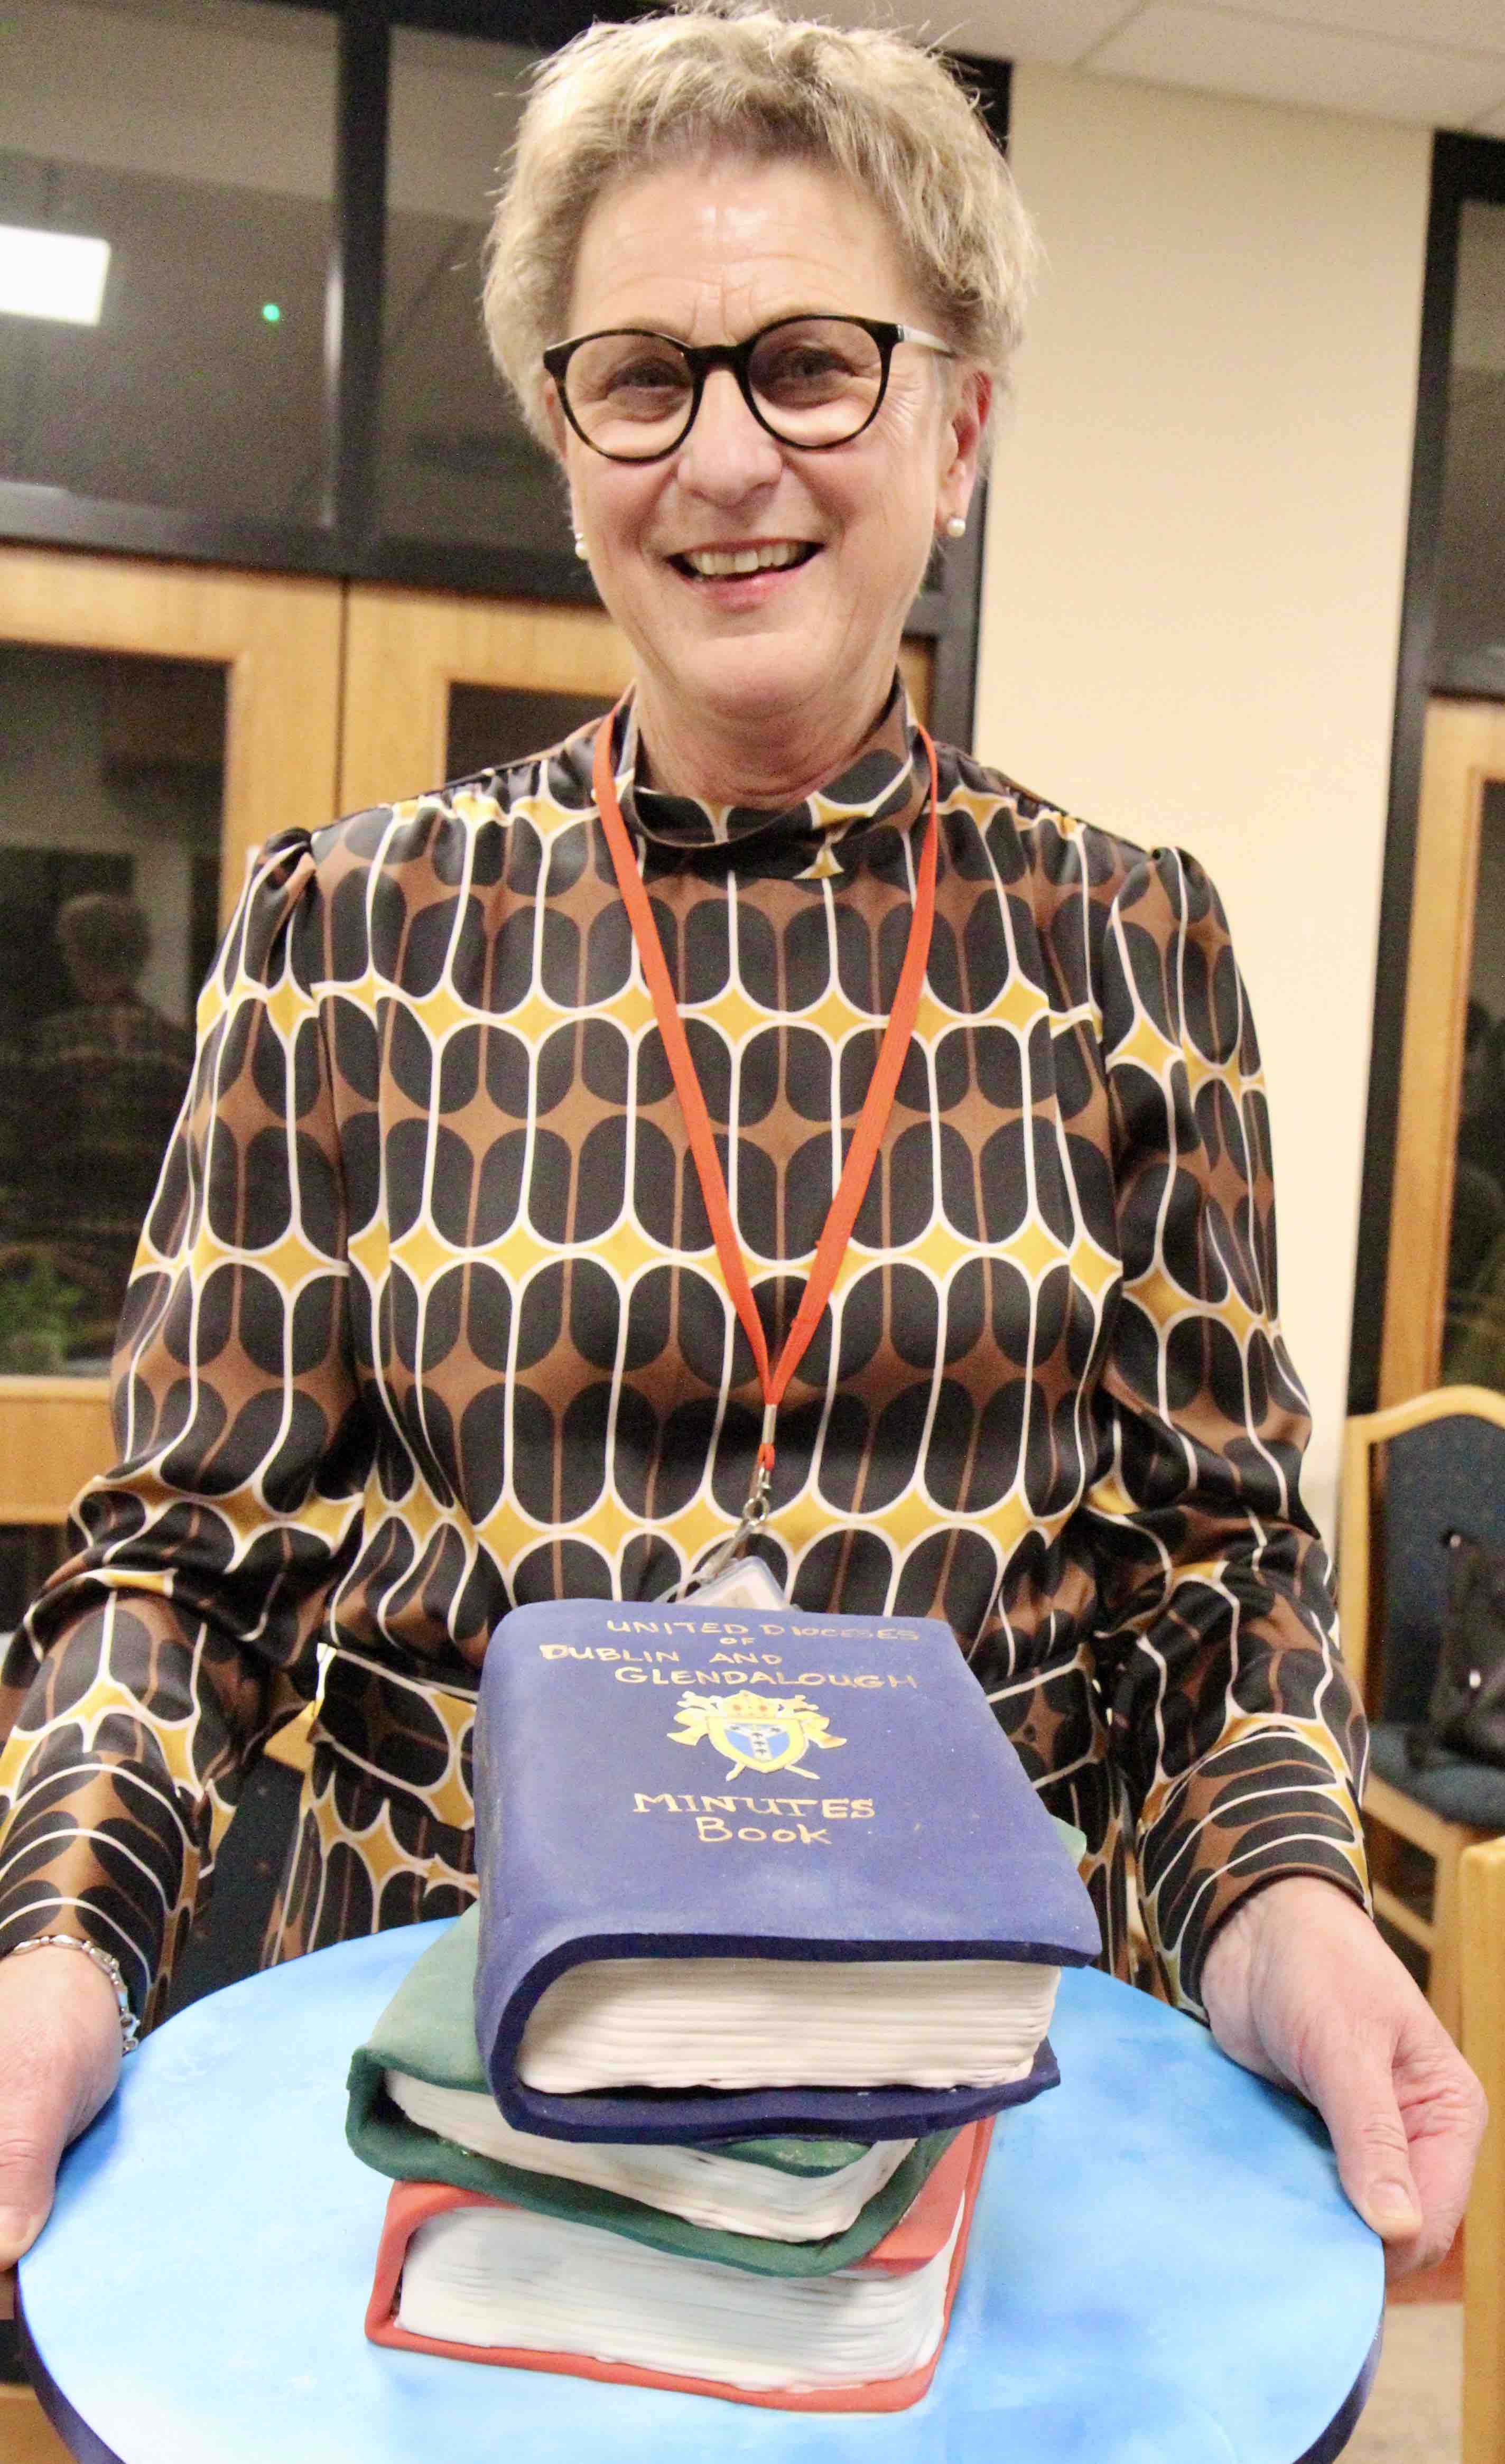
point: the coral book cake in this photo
(479, 2280)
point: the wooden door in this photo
(206, 704)
(425, 669)
(1445, 1291)
(437, 686)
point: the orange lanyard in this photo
(871, 1121)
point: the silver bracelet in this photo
(130, 2027)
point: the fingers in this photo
(1373, 2153)
(25, 2199)
(1299, 1984)
(60, 2056)
(1406, 2115)
(34, 2129)
(1444, 2112)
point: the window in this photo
(196, 140)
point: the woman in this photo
(428, 1318)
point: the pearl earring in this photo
(956, 526)
(581, 549)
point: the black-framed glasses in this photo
(814, 381)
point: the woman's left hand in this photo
(1299, 1986)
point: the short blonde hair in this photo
(871, 105)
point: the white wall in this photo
(1194, 561)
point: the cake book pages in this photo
(747, 1872)
(420, 2109)
(481, 2282)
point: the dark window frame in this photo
(1464, 170)
(347, 544)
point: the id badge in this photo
(746, 1583)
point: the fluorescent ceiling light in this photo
(49, 273)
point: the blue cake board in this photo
(1164, 2270)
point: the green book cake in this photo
(420, 2110)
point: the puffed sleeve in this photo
(1234, 1725)
(181, 1631)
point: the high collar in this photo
(885, 780)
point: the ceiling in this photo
(1437, 63)
(163, 75)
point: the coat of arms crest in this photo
(761, 1732)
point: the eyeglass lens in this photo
(815, 381)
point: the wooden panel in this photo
(54, 1434)
(917, 664)
(405, 648)
(279, 638)
(1356, 1515)
(26, 2434)
(1465, 749)
(1483, 1935)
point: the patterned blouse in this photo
(427, 1322)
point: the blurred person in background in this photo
(104, 1085)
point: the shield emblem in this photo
(759, 1744)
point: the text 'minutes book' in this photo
(757, 1871)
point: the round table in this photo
(1163, 2269)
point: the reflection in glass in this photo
(28, 1551)
(456, 463)
(111, 786)
(1471, 578)
(1473, 1338)
(490, 725)
(198, 142)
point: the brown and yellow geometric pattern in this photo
(427, 1322)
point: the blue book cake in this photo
(757, 1872)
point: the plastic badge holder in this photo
(746, 1583)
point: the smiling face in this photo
(756, 685)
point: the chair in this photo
(1483, 1908)
(1411, 1473)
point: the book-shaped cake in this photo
(420, 2110)
(757, 1873)
(482, 2281)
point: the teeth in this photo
(710, 562)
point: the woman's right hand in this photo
(59, 2059)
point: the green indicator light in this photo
(272, 313)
